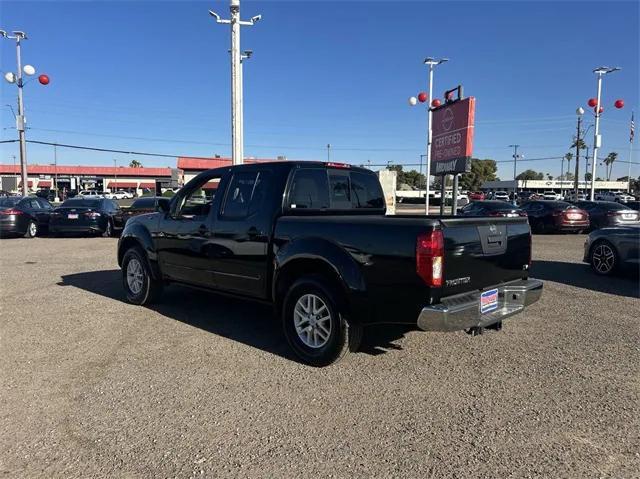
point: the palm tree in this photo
(608, 161)
(568, 157)
(135, 164)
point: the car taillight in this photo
(522, 213)
(497, 213)
(92, 214)
(10, 211)
(430, 257)
(339, 165)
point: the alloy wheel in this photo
(135, 276)
(603, 258)
(312, 321)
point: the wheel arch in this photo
(139, 236)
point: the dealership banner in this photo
(452, 137)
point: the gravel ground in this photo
(201, 386)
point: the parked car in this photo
(608, 213)
(119, 195)
(312, 239)
(572, 197)
(552, 196)
(500, 195)
(24, 216)
(616, 196)
(476, 196)
(608, 250)
(90, 194)
(634, 205)
(492, 208)
(548, 215)
(87, 215)
(143, 205)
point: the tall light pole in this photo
(632, 128)
(597, 139)
(431, 62)
(328, 152)
(16, 78)
(237, 152)
(55, 169)
(515, 165)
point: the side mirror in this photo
(163, 205)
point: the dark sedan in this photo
(634, 205)
(611, 249)
(546, 216)
(141, 206)
(24, 216)
(87, 215)
(492, 208)
(609, 213)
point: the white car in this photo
(551, 195)
(90, 194)
(572, 197)
(119, 195)
(500, 195)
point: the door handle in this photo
(202, 230)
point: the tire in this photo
(603, 258)
(108, 231)
(331, 336)
(146, 289)
(32, 230)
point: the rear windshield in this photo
(144, 203)
(82, 203)
(497, 205)
(611, 206)
(560, 205)
(11, 201)
(332, 188)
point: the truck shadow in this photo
(579, 275)
(247, 322)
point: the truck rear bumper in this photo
(463, 311)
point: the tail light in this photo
(92, 214)
(614, 213)
(430, 257)
(10, 211)
(338, 165)
(522, 213)
(497, 213)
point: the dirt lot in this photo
(203, 386)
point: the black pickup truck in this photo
(313, 239)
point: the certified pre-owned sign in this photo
(452, 141)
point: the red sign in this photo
(452, 137)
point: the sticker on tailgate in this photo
(488, 301)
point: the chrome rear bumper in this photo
(463, 311)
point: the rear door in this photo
(241, 233)
(481, 252)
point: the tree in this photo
(530, 175)
(135, 164)
(608, 161)
(549, 176)
(412, 179)
(481, 171)
(587, 177)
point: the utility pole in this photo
(55, 169)
(328, 152)
(632, 128)
(115, 175)
(579, 112)
(515, 164)
(237, 141)
(431, 62)
(597, 139)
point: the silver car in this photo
(610, 249)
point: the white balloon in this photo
(413, 101)
(29, 70)
(10, 77)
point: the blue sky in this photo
(154, 76)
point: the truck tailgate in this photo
(483, 252)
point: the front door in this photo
(185, 238)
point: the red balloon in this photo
(43, 79)
(436, 103)
(422, 97)
(619, 104)
(592, 102)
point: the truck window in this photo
(366, 191)
(246, 194)
(340, 190)
(309, 189)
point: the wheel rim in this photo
(33, 229)
(312, 320)
(603, 258)
(135, 276)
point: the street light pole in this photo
(115, 175)
(237, 153)
(597, 139)
(432, 62)
(55, 169)
(515, 165)
(631, 135)
(576, 180)
(328, 152)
